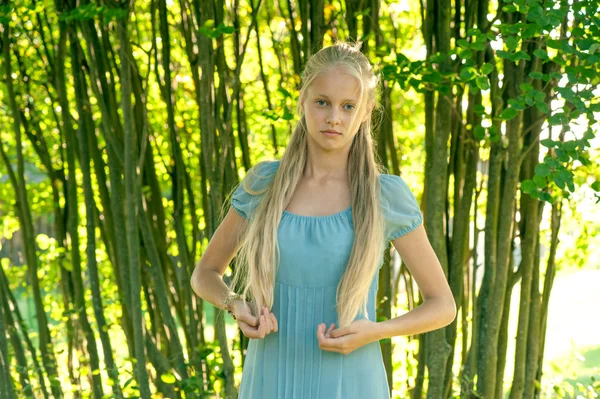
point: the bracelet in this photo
(228, 302)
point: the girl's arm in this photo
(207, 278)
(438, 308)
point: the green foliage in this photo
(91, 11)
(208, 29)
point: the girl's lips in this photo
(331, 132)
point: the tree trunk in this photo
(131, 213)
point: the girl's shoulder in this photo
(246, 196)
(393, 186)
(400, 207)
(260, 175)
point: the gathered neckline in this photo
(318, 216)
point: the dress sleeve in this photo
(400, 208)
(249, 193)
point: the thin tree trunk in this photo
(529, 241)
(539, 308)
(6, 383)
(73, 219)
(21, 324)
(265, 82)
(86, 128)
(131, 213)
(384, 312)
(25, 219)
(436, 176)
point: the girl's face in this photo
(333, 114)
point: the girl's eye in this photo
(350, 107)
(321, 102)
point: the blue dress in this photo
(314, 250)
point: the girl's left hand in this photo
(346, 339)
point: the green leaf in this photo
(486, 68)
(529, 101)
(542, 169)
(482, 82)
(549, 143)
(287, 115)
(559, 182)
(539, 95)
(543, 54)
(504, 54)
(511, 43)
(562, 155)
(508, 114)
(479, 132)
(555, 44)
(521, 55)
(432, 77)
(283, 91)
(528, 186)
(463, 43)
(479, 109)
(540, 181)
(401, 59)
(542, 107)
(465, 54)
(557, 119)
(478, 45)
(596, 185)
(526, 87)
(571, 145)
(566, 47)
(223, 29)
(473, 32)
(529, 31)
(536, 75)
(566, 174)
(467, 73)
(589, 134)
(517, 103)
(547, 197)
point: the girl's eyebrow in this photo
(345, 100)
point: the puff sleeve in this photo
(399, 206)
(249, 193)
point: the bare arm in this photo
(438, 308)
(207, 278)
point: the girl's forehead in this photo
(336, 83)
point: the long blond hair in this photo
(258, 257)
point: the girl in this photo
(311, 230)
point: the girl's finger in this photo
(268, 322)
(321, 334)
(249, 319)
(329, 330)
(275, 324)
(262, 328)
(249, 332)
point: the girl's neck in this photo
(327, 166)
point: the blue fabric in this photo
(313, 253)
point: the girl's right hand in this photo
(253, 326)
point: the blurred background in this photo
(125, 126)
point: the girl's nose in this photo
(333, 117)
